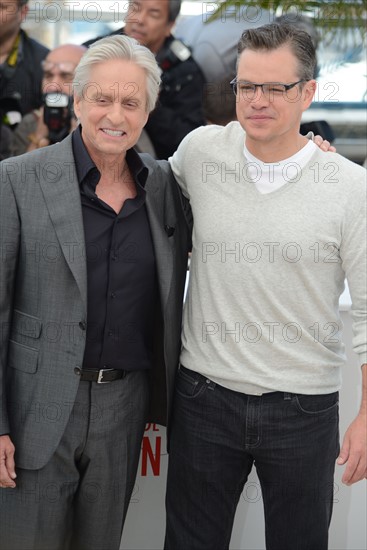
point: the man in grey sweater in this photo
(278, 225)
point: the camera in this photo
(10, 110)
(58, 112)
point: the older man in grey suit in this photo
(94, 242)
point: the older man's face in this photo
(112, 109)
(58, 69)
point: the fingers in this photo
(43, 142)
(324, 144)
(354, 471)
(344, 451)
(5, 480)
(318, 140)
(7, 464)
(341, 460)
(354, 456)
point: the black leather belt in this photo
(100, 376)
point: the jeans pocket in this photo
(317, 404)
(190, 384)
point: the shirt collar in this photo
(85, 166)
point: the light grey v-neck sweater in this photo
(267, 270)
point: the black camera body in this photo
(10, 110)
(58, 112)
(176, 53)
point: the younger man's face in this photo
(275, 117)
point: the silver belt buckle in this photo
(100, 376)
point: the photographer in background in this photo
(54, 120)
(20, 59)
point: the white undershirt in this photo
(269, 176)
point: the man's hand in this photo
(39, 138)
(7, 465)
(354, 451)
(324, 144)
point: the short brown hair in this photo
(219, 101)
(273, 36)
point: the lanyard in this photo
(13, 55)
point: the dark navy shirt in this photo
(122, 285)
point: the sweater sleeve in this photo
(9, 247)
(178, 164)
(353, 254)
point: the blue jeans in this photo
(218, 434)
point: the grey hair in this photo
(273, 36)
(174, 9)
(119, 47)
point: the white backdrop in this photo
(144, 528)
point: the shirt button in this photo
(82, 325)
(77, 371)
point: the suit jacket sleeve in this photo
(9, 249)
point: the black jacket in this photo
(179, 107)
(24, 81)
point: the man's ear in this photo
(309, 91)
(23, 12)
(76, 105)
(147, 116)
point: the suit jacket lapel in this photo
(162, 246)
(60, 187)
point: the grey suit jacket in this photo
(43, 294)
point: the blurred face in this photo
(271, 119)
(11, 16)
(112, 109)
(147, 22)
(58, 69)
